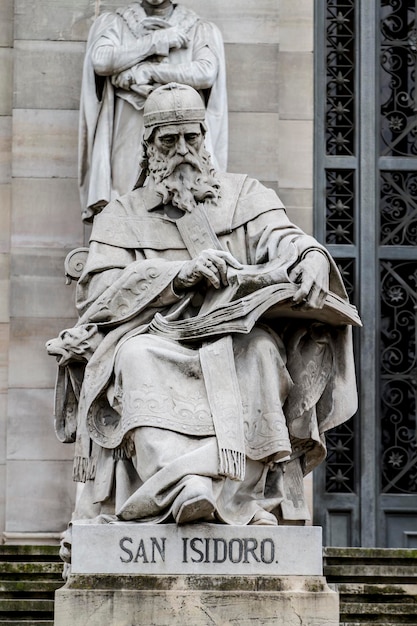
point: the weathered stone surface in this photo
(47, 74)
(252, 76)
(5, 211)
(4, 349)
(295, 166)
(296, 198)
(260, 138)
(4, 287)
(196, 549)
(39, 297)
(54, 19)
(2, 497)
(39, 496)
(296, 89)
(296, 25)
(303, 217)
(29, 364)
(199, 600)
(6, 23)
(5, 148)
(45, 143)
(6, 80)
(249, 22)
(38, 284)
(3, 427)
(299, 203)
(46, 213)
(31, 412)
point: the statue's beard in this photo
(183, 180)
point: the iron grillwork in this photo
(397, 78)
(340, 77)
(398, 376)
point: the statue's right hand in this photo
(210, 265)
(177, 37)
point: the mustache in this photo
(177, 160)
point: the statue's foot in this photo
(198, 508)
(263, 518)
(195, 501)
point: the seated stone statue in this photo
(211, 352)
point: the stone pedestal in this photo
(196, 575)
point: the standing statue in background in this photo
(213, 348)
(129, 53)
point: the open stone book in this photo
(229, 311)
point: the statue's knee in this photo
(134, 349)
(264, 342)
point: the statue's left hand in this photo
(312, 274)
(124, 79)
(140, 74)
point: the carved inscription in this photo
(151, 550)
(219, 550)
(209, 549)
(200, 550)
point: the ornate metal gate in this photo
(366, 214)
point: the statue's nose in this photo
(182, 147)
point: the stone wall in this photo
(270, 78)
(6, 79)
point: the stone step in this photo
(26, 622)
(31, 568)
(378, 608)
(365, 599)
(24, 587)
(372, 573)
(349, 557)
(379, 589)
(29, 576)
(377, 586)
(374, 623)
(26, 605)
(371, 554)
(370, 565)
(29, 552)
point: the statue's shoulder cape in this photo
(128, 222)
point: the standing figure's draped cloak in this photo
(111, 118)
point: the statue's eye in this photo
(191, 137)
(169, 140)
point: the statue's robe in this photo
(111, 118)
(267, 396)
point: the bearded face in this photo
(180, 166)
